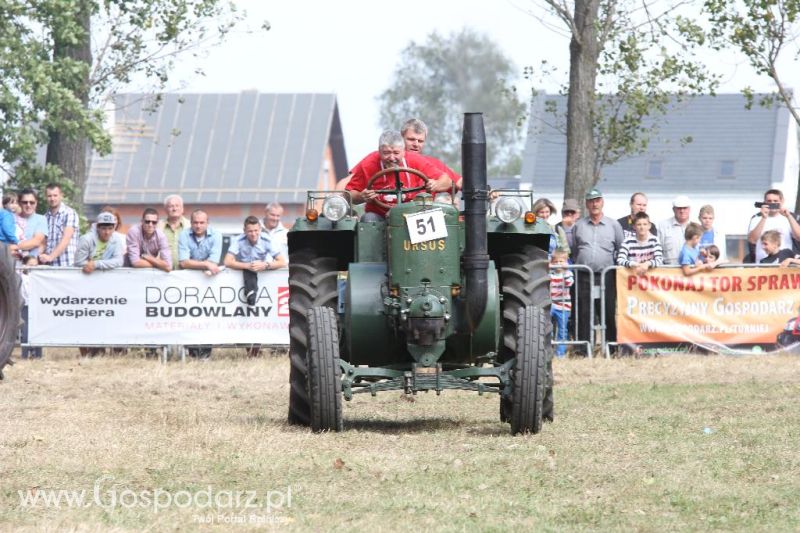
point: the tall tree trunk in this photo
(70, 152)
(584, 51)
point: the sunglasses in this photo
(27, 202)
(150, 222)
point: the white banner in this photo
(150, 307)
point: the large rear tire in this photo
(529, 376)
(324, 372)
(312, 283)
(9, 306)
(524, 281)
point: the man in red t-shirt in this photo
(392, 153)
(414, 133)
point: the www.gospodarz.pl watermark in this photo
(215, 505)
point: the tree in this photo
(62, 60)
(444, 76)
(627, 65)
(761, 30)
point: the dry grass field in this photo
(687, 443)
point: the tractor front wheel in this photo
(324, 372)
(529, 379)
(312, 283)
(525, 280)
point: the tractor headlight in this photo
(507, 209)
(335, 208)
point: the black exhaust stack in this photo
(475, 260)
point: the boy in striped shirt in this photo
(642, 251)
(561, 280)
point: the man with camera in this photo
(773, 216)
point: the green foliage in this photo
(43, 91)
(761, 30)
(644, 78)
(442, 77)
(646, 63)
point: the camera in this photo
(771, 206)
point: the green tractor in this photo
(429, 299)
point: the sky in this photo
(351, 48)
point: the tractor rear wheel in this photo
(312, 283)
(9, 306)
(524, 280)
(529, 376)
(324, 372)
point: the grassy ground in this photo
(651, 444)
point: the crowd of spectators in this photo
(169, 243)
(634, 242)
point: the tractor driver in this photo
(391, 154)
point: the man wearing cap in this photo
(597, 240)
(570, 213)
(671, 231)
(100, 248)
(638, 205)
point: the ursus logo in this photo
(283, 301)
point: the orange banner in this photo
(727, 306)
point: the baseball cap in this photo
(106, 218)
(681, 201)
(570, 204)
(594, 193)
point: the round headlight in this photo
(507, 209)
(335, 208)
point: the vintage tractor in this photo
(429, 299)
(9, 306)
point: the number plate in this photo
(426, 226)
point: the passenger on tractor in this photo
(414, 133)
(392, 154)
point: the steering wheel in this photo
(399, 190)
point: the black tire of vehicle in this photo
(324, 371)
(312, 283)
(524, 281)
(529, 378)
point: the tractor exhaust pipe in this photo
(475, 260)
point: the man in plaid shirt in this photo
(62, 230)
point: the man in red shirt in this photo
(392, 153)
(414, 133)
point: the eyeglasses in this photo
(150, 222)
(27, 202)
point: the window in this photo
(727, 169)
(655, 168)
(736, 247)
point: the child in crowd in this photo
(10, 202)
(642, 251)
(710, 236)
(771, 244)
(689, 257)
(710, 253)
(561, 279)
